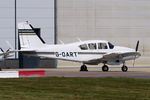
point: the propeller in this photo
(5, 53)
(136, 49)
(1, 49)
(137, 46)
(8, 50)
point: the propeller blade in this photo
(136, 49)
(1, 49)
(8, 50)
(9, 44)
(137, 46)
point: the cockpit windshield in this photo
(111, 46)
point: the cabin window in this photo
(111, 46)
(92, 46)
(102, 46)
(83, 47)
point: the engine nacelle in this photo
(117, 62)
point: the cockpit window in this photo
(83, 47)
(102, 46)
(111, 46)
(92, 46)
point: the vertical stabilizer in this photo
(27, 37)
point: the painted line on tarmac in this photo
(22, 73)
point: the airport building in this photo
(122, 22)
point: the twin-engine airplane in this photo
(92, 52)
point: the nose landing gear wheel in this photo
(105, 68)
(83, 68)
(124, 68)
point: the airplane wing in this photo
(114, 57)
(119, 56)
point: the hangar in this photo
(122, 22)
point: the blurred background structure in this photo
(122, 22)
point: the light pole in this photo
(15, 28)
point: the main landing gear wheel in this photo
(105, 68)
(124, 68)
(83, 68)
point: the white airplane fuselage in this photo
(72, 52)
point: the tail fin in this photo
(27, 37)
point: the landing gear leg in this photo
(83, 68)
(124, 68)
(105, 68)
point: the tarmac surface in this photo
(95, 74)
(138, 73)
(133, 72)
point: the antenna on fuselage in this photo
(79, 39)
(61, 41)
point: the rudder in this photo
(27, 37)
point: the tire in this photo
(124, 68)
(105, 68)
(83, 68)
